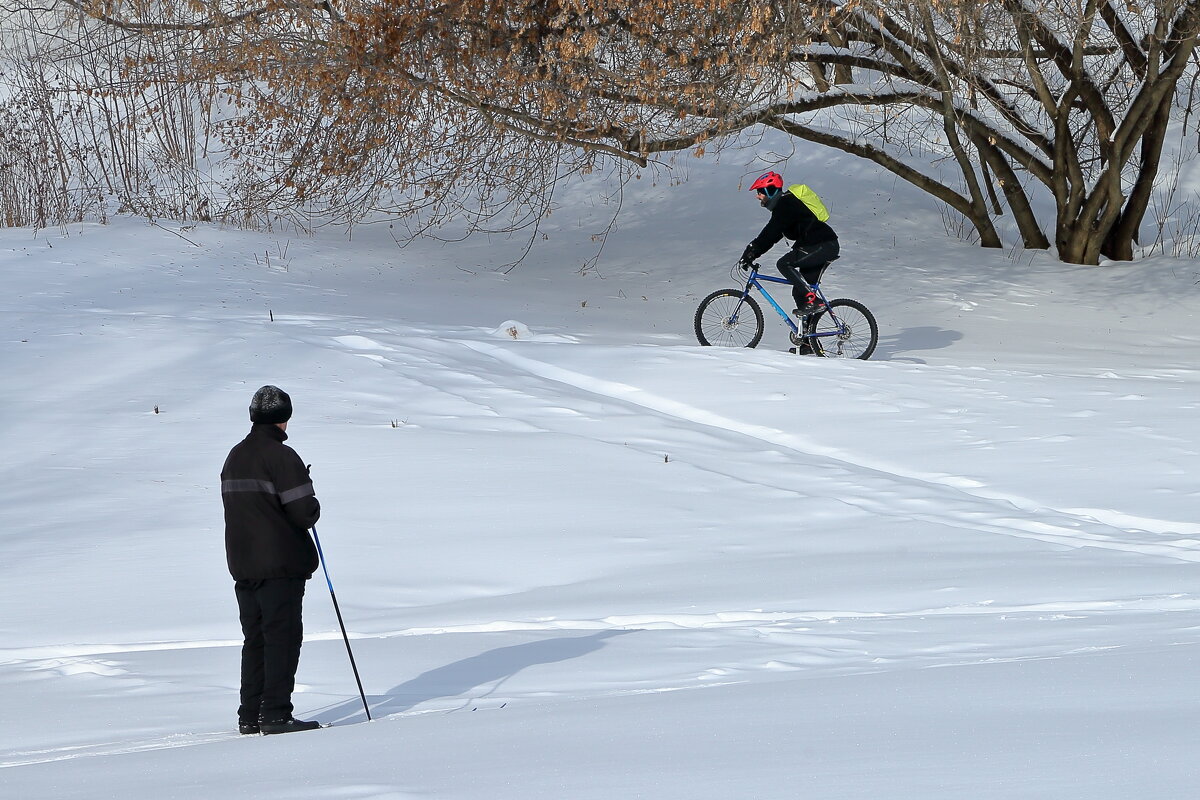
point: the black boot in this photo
(287, 725)
(247, 727)
(810, 305)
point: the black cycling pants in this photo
(803, 264)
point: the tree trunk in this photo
(1032, 236)
(1119, 243)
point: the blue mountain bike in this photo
(839, 328)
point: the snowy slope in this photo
(594, 560)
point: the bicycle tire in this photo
(859, 331)
(721, 320)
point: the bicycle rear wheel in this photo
(851, 328)
(729, 318)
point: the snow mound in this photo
(512, 329)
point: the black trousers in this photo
(803, 264)
(273, 629)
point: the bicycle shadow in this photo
(490, 669)
(909, 340)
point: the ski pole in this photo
(338, 611)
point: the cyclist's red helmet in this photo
(768, 182)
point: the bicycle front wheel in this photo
(846, 329)
(729, 318)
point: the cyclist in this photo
(815, 243)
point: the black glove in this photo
(747, 259)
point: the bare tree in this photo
(479, 107)
(80, 137)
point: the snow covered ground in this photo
(579, 555)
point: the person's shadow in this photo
(490, 669)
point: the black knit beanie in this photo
(270, 405)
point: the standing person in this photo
(814, 242)
(269, 507)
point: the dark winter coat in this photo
(790, 218)
(269, 507)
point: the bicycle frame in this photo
(756, 278)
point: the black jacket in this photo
(269, 507)
(790, 218)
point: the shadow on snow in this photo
(489, 669)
